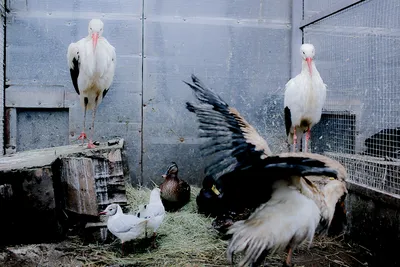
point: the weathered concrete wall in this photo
(373, 220)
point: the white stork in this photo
(91, 61)
(305, 96)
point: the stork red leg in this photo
(83, 134)
(294, 139)
(91, 145)
(288, 261)
(308, 136)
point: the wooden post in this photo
(40, 189)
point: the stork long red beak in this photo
(309, 64)
(95, 37)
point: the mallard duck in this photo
(154, 211)
(175, 193)
(210, 198)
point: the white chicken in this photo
(285, 188)
(91, 61)
(154, 211)
(124, 226)
(304, 98)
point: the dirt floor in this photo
(185, 238)
(73, 252)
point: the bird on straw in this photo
(91, 62)
(126, 227)
(155, 211)
(304, 98)
(290, 206)
(175, 193)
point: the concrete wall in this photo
(374, 222)
(240, 48)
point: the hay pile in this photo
(185, 238)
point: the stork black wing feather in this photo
(105, 92)
(232, 136)
(218, 121)
(74, 74)
(288, 120)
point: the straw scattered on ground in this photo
(185, 238)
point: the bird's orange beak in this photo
(309, 64)
(102, 213)
(95, 37)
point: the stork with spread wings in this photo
(283, 189)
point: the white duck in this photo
(305, 96)
(91, 61)
(124, 226)
(154, 211)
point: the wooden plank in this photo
(46, 156)
(77, 178)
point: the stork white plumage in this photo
(91, 61)
(305, 96)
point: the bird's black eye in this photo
(101, 29)
(304, 53)
(90, 28)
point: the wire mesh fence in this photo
(358, 58)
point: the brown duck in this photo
(175, 193)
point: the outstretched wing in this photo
(233, 139)
(237, 145)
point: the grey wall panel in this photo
(39, 35)
(237, 9)
(39, 128)
(247, 63)
(2, 40)
(78, 6)
(241, 48)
